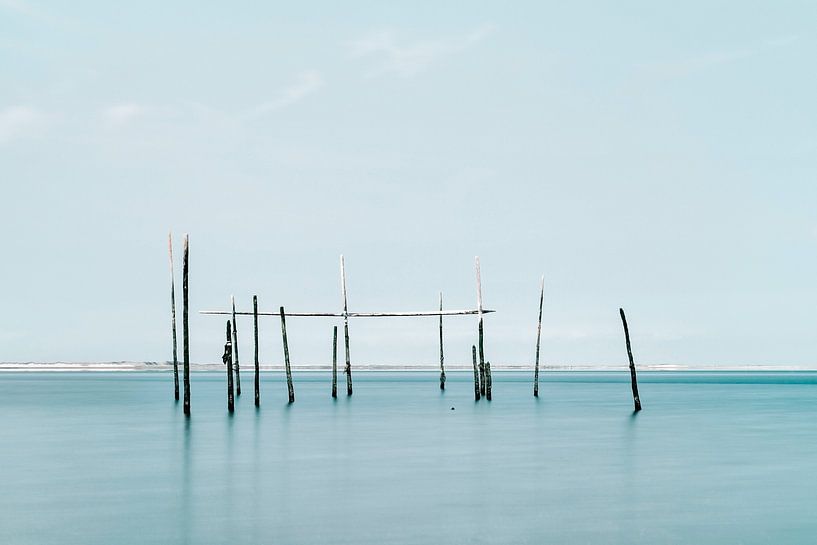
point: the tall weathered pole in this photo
(538, 337)
(476, 372)
(290, 389)
(346, 327)
(235, 351)
(227, 358)
(633, 380)
(442, 364)
(334, 361)
(481, 347)
(257, 365)
(185, 327)
(173, 317)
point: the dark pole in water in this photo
(633, 380)
(185, 328)
(227, 358)
(481, 347)
(335, 361)
(290, 389)
(489, 380)
(346, 328)
(257, 366)
(476, 372)
(481, 362)
(538, 338)
(442, 364)
(173, 317)
(235, 351)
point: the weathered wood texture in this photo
(469, 312)
(481, 362)
(173, 317)
(633, 379)
(348, 369)
(227, 359)
(185, 325)
(257, 364)
(481, 329)
(538, 338)
(290, 388)
(476, 373)
(334, 361)
(442, 357)
(489, 380)
(235, 352)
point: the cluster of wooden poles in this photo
(230, 357)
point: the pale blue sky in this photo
(655, 156)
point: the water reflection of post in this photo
(187, 461)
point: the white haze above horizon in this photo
(660, 158)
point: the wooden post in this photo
(235, 351)
(633, 379)
(227, 358)
(346, 327)
(476, 372)
(538, 338)
(173, 317)
(442, 364)
(290, 389)
(257, 365)
(335, 361)
(185, 327)
(481, 347)
(481, 362)
(488, 379)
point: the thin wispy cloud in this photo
(30, 11)
(306, 83)
(122, 114)
(713, 59)
(19, 121)
(406, 59)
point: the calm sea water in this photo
(93, 458)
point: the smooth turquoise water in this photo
(95, 458)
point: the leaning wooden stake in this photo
(538, 337)
(476, 372)
(235, 352)
(335, 361)
(633, 379)
(290, 389)
(227, 358)
(481, 346)
(257, 366)
(488, 380)
(185, 328)
(442, 359)
(348, 369)
(173, 317)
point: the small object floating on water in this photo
(452, 408)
